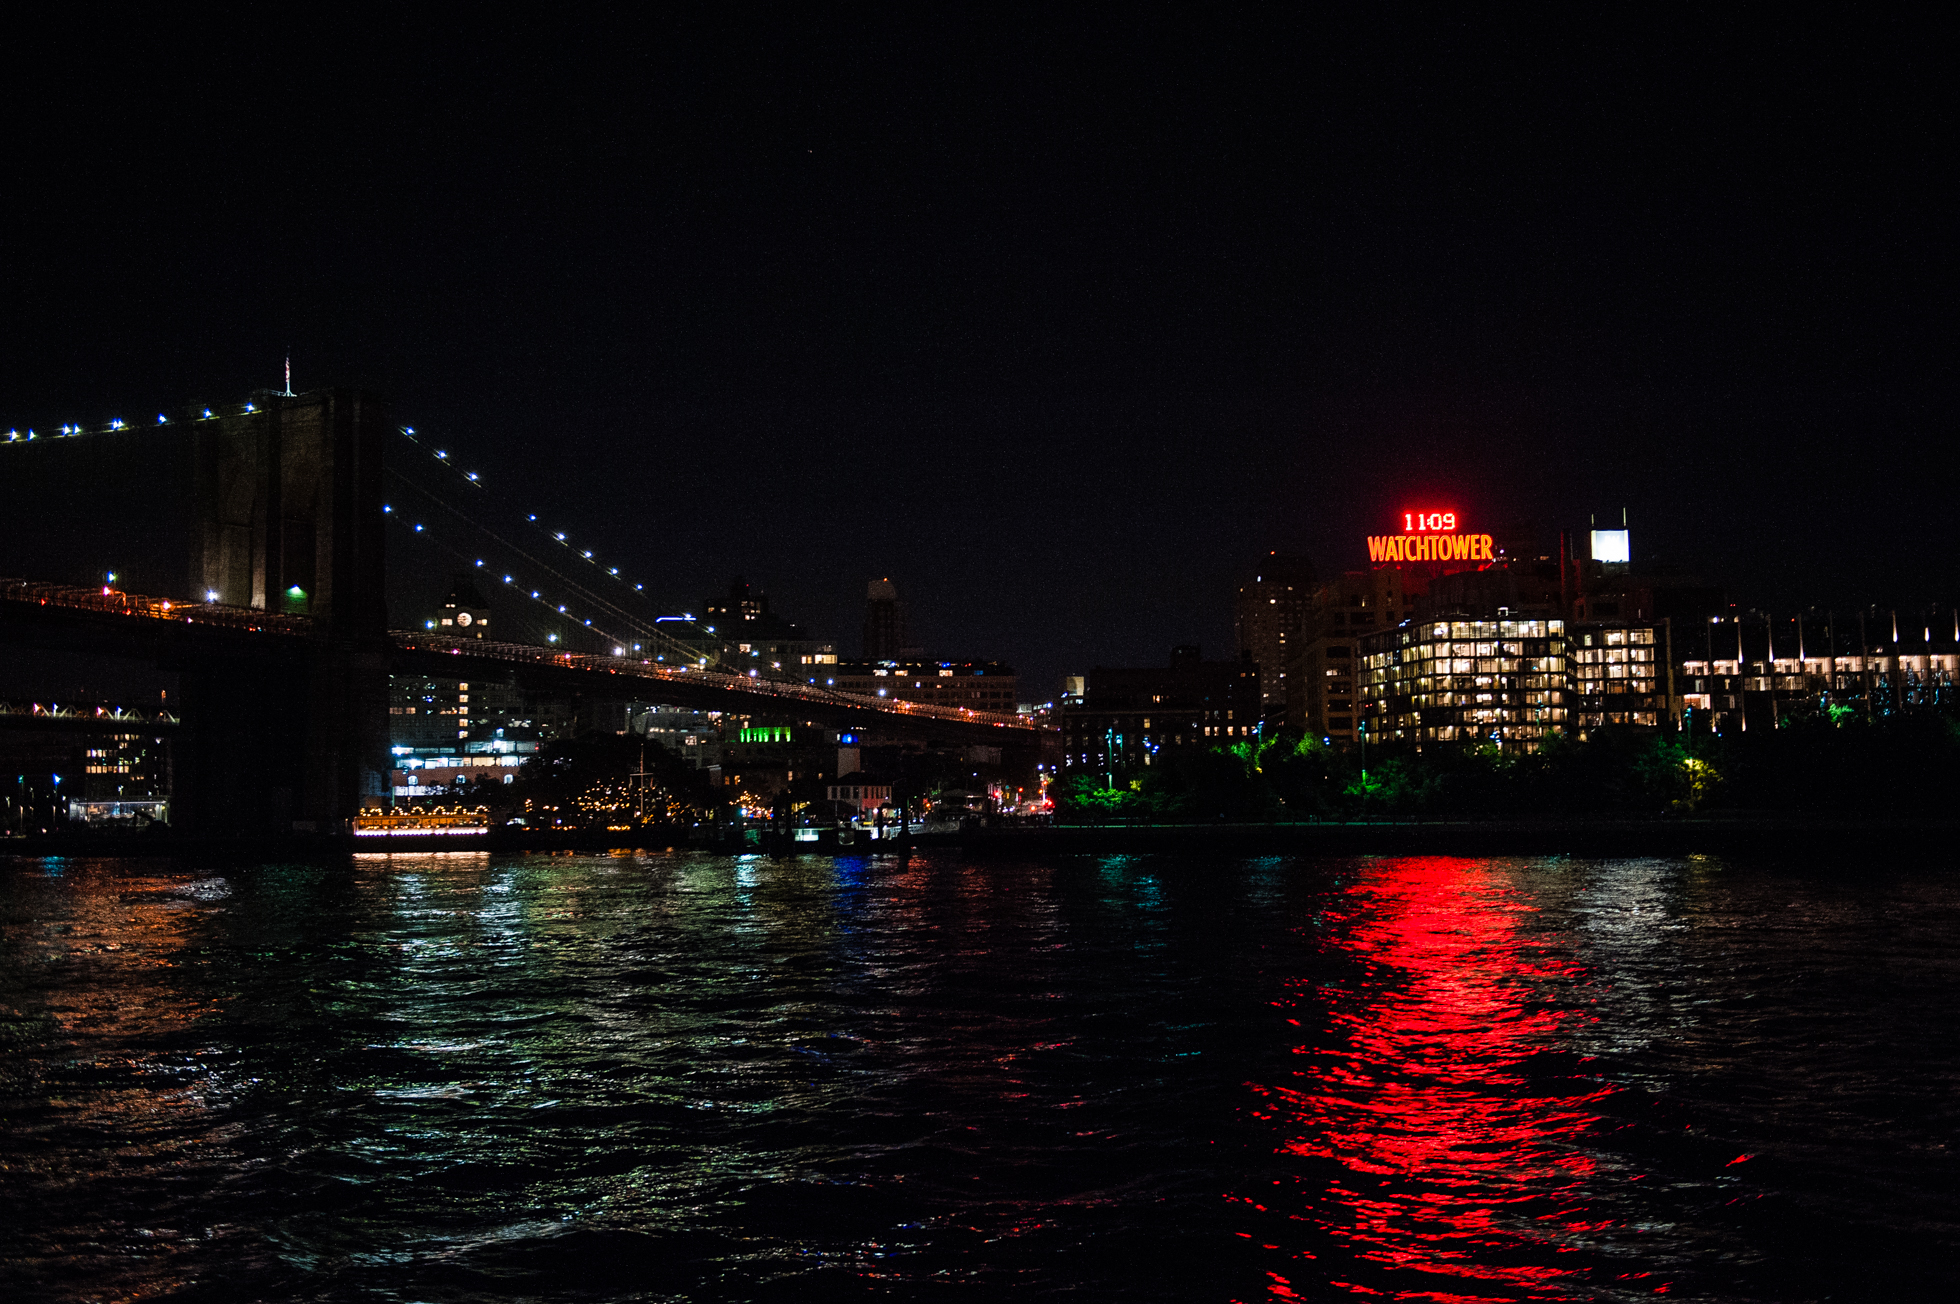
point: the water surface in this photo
(463, 1077)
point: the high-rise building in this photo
(1273, 617)
(886, 636)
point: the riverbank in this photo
(1653, 837)
(1597, 837)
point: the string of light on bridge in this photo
(68, 430)
(621, 645)
(441, 457)
(559, 537)
(471, 479)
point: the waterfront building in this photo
(1752, 670)
(1129, 717)
(980, 686)
(1504, 681)
(1621, 674)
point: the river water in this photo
(467, 1077)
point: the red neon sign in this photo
(1428, 522)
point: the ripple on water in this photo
(467, 1077)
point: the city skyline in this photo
(1061, 347)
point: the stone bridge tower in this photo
(287, 517)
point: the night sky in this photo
(1059, 326)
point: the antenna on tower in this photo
(289, 374)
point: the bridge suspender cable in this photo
(471, 480)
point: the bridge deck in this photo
(740, 692)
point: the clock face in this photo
(464, 618)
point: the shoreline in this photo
(1624, 837)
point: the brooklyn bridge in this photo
(277, 518)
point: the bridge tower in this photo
(287, 517)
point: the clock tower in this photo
(464, 612)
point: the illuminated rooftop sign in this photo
(1611, 545)
(1429, 547)
(1431, 537)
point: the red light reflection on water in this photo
(1462, 1175)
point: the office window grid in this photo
(1504, 681)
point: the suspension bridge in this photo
(279, 634)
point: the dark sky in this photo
(1060, 326)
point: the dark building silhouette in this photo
(886, 636)
(745, 635)
(1273, 617)
(1128, 717)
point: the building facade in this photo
(1273, 617)
(887, 632)
(985, 687)
(1130, 717)
(1505, 682)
